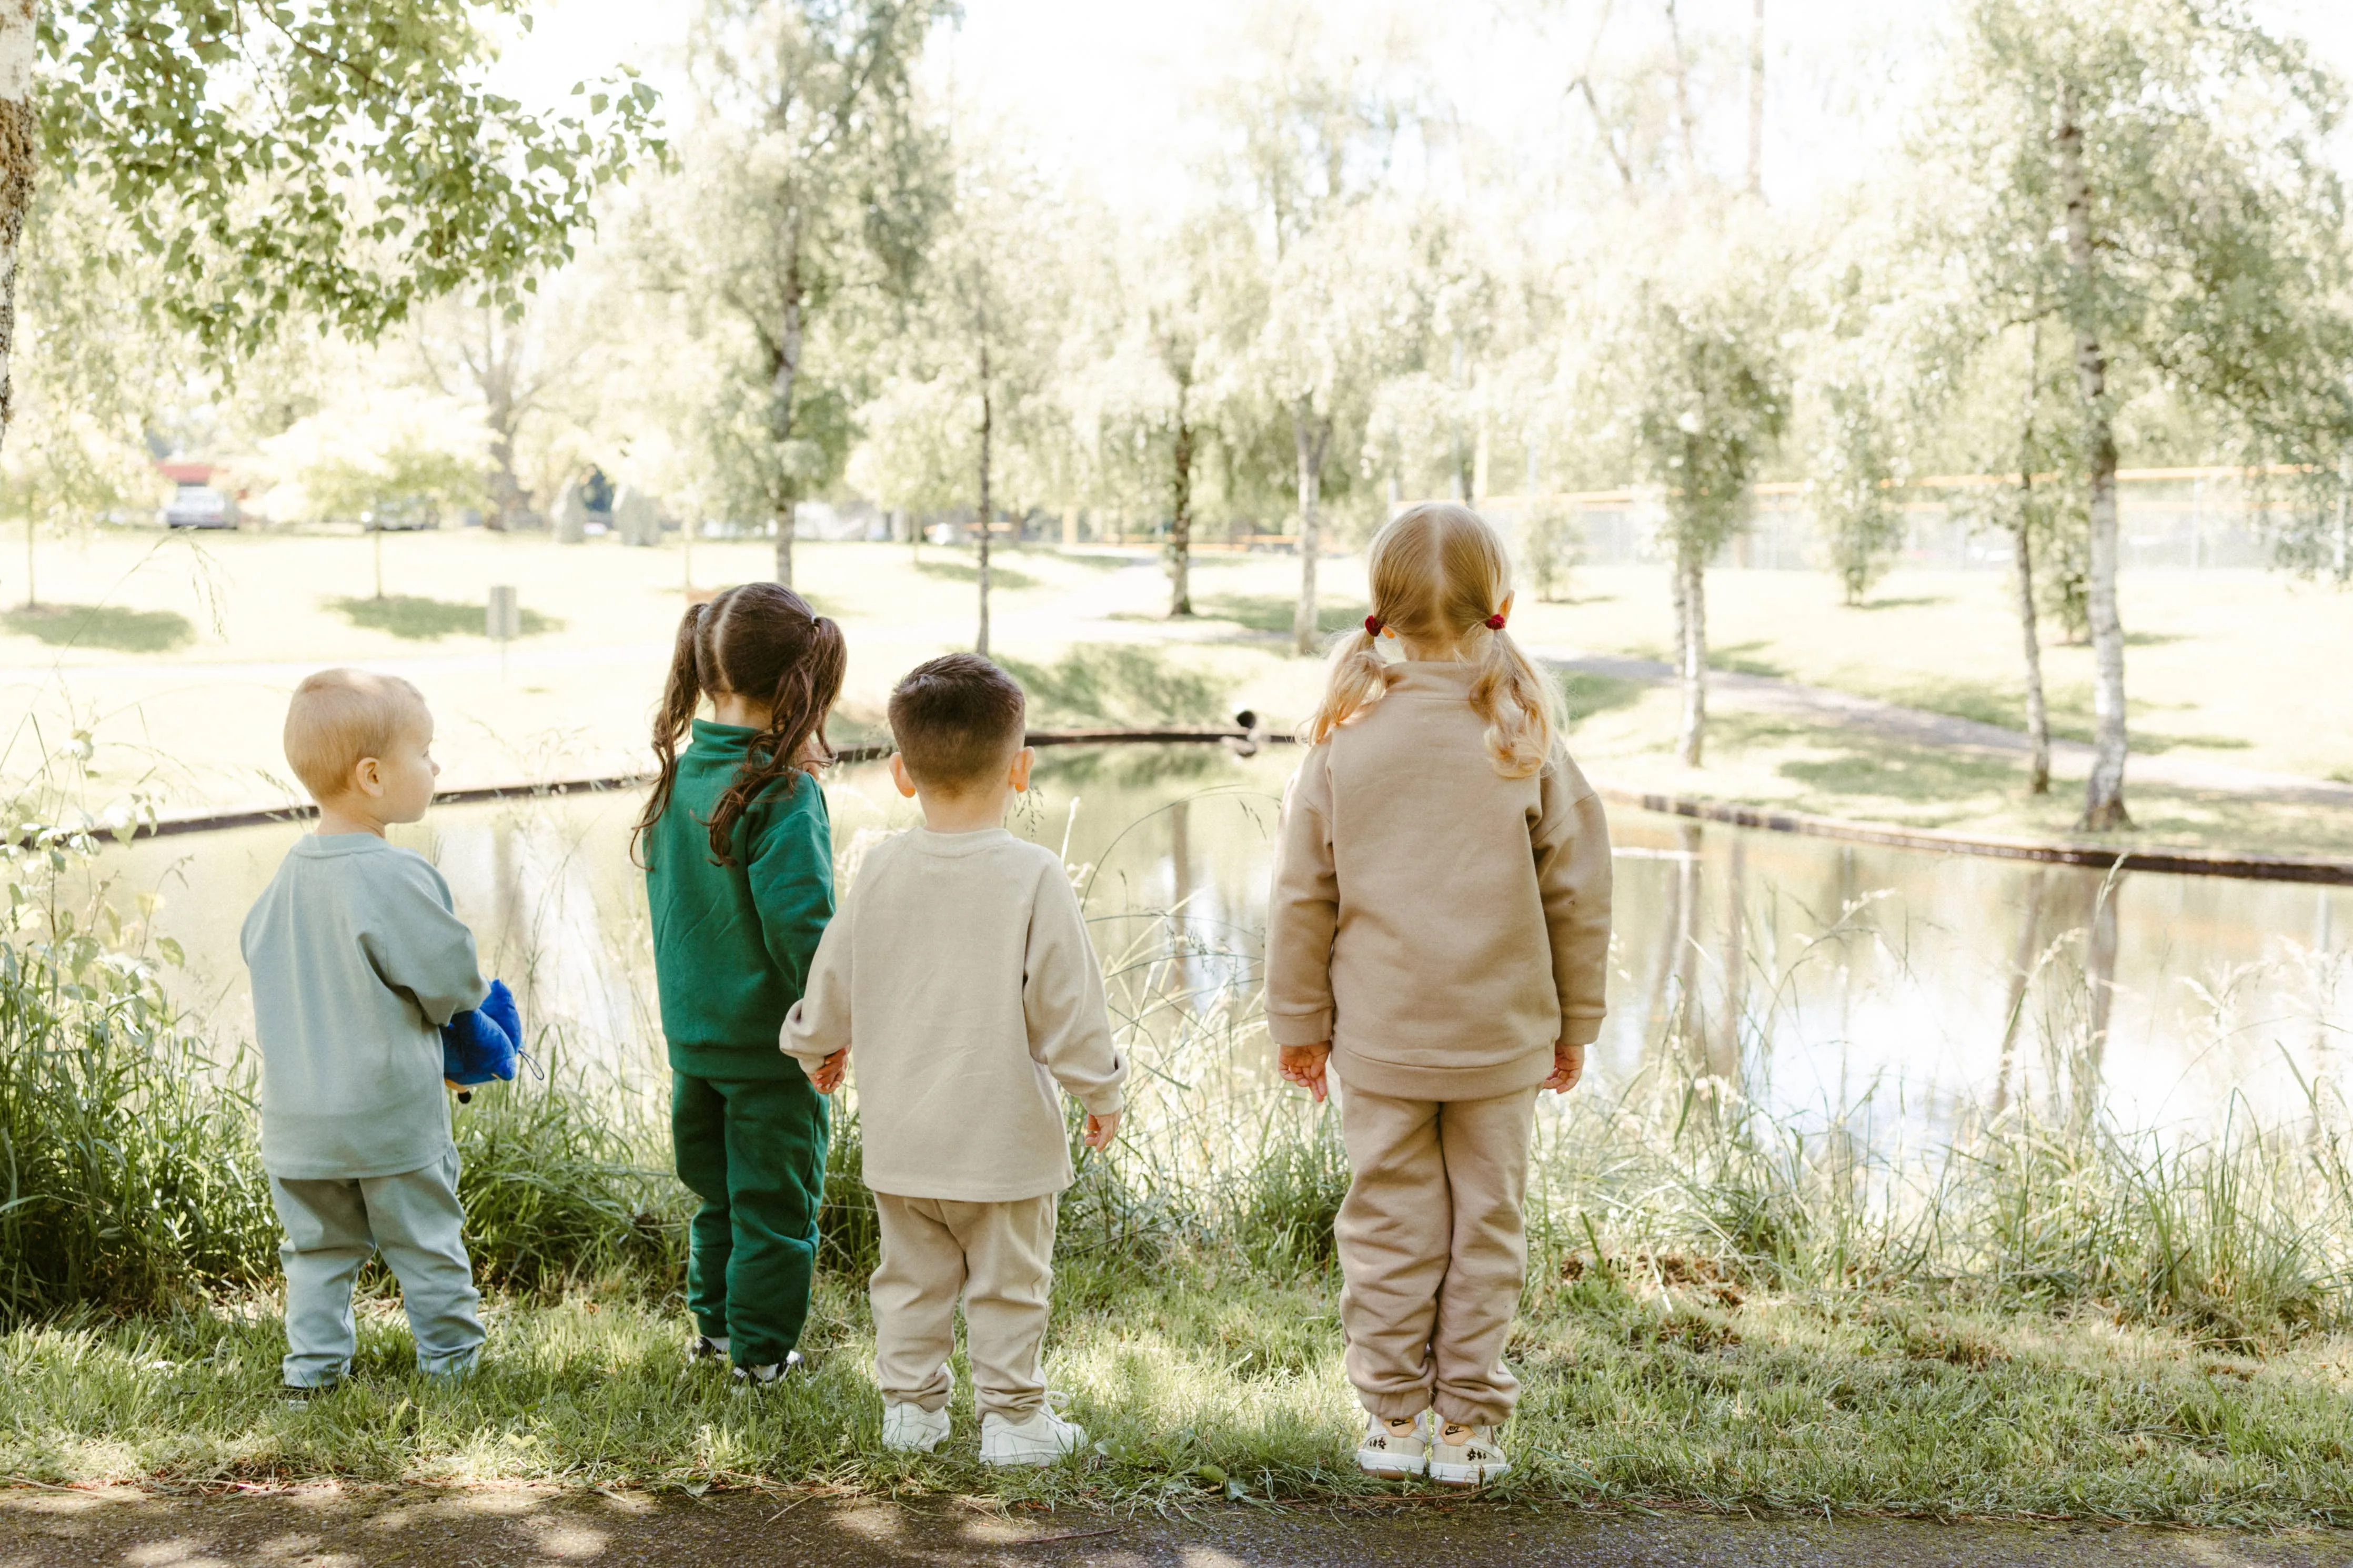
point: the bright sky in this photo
(1108, 89)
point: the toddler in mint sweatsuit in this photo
(357, 961)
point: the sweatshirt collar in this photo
(723, 741)
(957, 844)
(1450, 679)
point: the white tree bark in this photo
(19, 139)
(1311, 435)
(988, 501)
(1691, 649)
(2103, 793)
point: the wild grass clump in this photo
(127, 1157)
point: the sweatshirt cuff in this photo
(1107, 1102)
(795, 1044)
(1579, 1030)
(1301, 1028)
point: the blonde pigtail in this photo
(1357, 678)
(1512, 694)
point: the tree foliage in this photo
(343, 162)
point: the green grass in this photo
(102, 626)
(999, 574)
(1097, 685)
(1274, 613)
(414, 618)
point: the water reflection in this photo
(1811, 976)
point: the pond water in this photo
(1818, 978)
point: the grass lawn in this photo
(177, 654)
(1656, 1384)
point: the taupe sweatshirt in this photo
(1442, 926)
(959, 974)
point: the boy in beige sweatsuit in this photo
(958, 974)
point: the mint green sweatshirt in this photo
(733, 943)
(357, 963)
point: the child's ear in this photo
(1023, 759)
(367, 776)
(901, 776)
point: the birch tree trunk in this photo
(1691, 649)
(784, 378)
(1180, 524)
(19, 139)
(1757, 102)
(987, 506)
(1311, 436)
(2038, 713)
(2103, 793)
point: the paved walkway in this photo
(1729, 691)
(330, 1528)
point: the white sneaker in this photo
(911, 1428)
(1042, 1439)
(1388, 1452)
(1466, 1457)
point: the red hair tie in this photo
(1495, 621)
(1372, 626)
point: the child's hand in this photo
(1568, 1066)
(829, 1073)
(1303, 1065)
(1100, 1129)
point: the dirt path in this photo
(337, 1528)
(1916, 726)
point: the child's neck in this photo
(342, 815)
(744, 712)
(969, 811)
(1420, 652)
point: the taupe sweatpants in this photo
(1001, 1257)
(1433, 1248)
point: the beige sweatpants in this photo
(1001, 1257)
(1433, 1248)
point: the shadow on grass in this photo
(1584, 694)
(1916, 602)
(999, 574)
(102, 626)
(2069, 709)
(417, 619)
(1274, 612)
(1104, 684)
(1741, 658)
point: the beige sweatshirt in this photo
(959, 974)
(1440, 925)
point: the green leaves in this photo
(344, 161)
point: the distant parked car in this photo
(201, 506)
(406, 515)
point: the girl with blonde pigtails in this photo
(1436, 942)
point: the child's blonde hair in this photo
(340, 717)
(1438, 574)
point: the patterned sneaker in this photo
(703, 1348)
(1466, 1455)
(758, 1379)
(1042, 1439)
(911, 1428)
(1395, 1449)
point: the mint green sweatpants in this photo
(331, 1226)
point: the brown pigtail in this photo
(682, 694)
(771, 642)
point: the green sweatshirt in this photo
(733, 943)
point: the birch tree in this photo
(1688, 372)
(2150, 177)
(811, 188)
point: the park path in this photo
(1729, 691)
(329, 1527)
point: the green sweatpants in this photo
(753, 1150)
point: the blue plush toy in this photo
(482, 1043)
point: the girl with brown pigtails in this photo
(738, 852)
(1437, 940)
